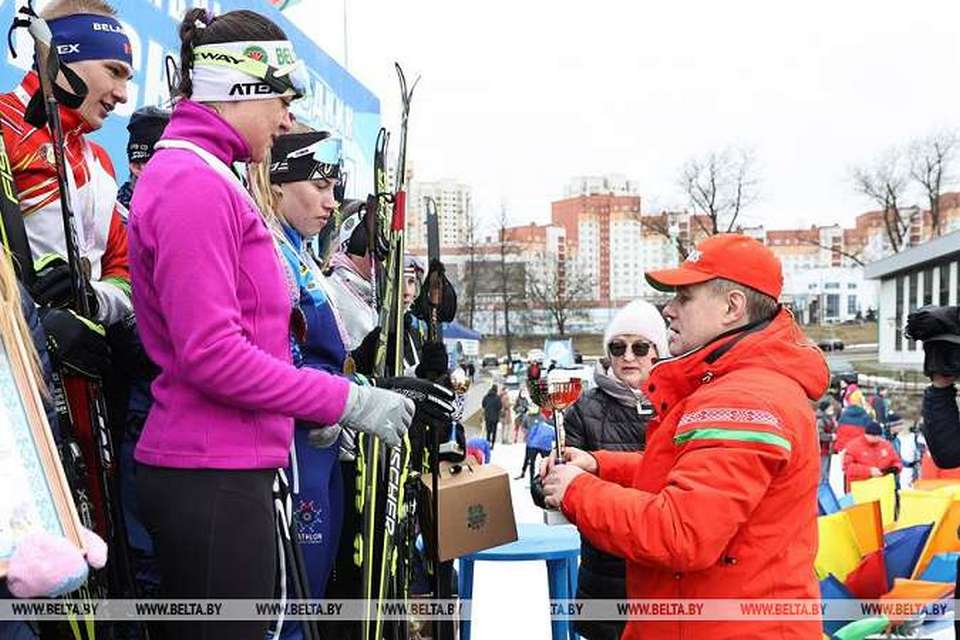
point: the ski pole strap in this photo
(39, 30)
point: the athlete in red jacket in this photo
(870, 456)
(723, 502)
(94, 46)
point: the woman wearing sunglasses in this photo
(613, 415)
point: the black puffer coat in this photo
(609, 416)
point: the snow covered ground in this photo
(510, 598)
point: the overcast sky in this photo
(517, 96)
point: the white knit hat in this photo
(639, 318)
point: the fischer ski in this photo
(368, 453)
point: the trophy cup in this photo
(554, 392)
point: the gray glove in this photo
(381, 413)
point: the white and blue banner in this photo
(335, 100)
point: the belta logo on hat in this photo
(730, 256)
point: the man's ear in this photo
(736, 311)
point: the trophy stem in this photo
(561, 441)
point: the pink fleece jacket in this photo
(214, 313)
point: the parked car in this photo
(490, 360)
(831, 344)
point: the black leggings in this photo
(531, 459)
(214, 535)
(492, 433)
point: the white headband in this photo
(252, 70)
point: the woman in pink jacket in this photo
(215, 315)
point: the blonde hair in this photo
(268, 196)
(12, 321)
(63, 8)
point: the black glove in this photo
(448, 296)
(53, 286)
(434, 403)
(433, 361)
(940, 356)
(130, 358)
(536, 492)
(76, 343)
(364, 355)
(928, 322)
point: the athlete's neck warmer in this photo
(86, 36)
(253, 70)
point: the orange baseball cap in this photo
(731, 256)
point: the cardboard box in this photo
(476, 511)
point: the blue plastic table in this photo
(558, 545)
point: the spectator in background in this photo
(827, 428)
(881, 405)
(520, 408)
(541, 435)
(491, 414)
(853, 420)
(506, 413)
(145, 127)
(852, 396)
(870, 456)
(613, 416)
(480, 449)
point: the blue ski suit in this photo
(318, 508)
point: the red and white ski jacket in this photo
(101, 236)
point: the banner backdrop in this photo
(335, 101)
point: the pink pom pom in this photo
(95, 546)
(45, 565)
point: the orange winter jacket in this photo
(861, 454)
(723, 502)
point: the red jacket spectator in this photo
(723, 502)
(869, 456)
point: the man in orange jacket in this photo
(870, 456)
(723, 502)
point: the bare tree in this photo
(719, 186)
(560, 291)
(471, 271)
(885, 183)
(666, 225)
(506, 289)
(930, 165)
(857, 257)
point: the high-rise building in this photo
(603, 240)
(454, 202)
(611, 184)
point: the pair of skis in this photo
(386, 545)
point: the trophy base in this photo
(554, 516)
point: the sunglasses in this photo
(618, 348)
